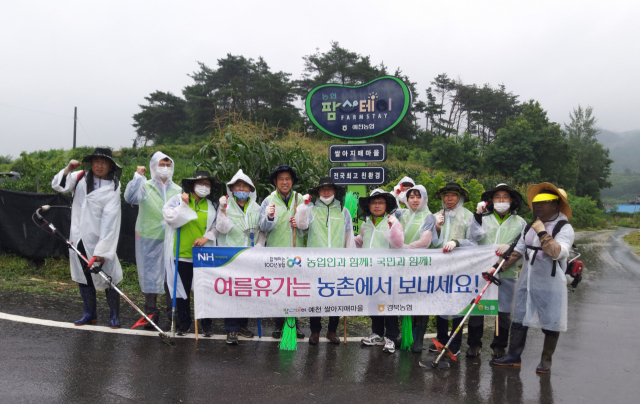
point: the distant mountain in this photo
(624, 149)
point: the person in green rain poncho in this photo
(382, 229)
(419, 227)
(150, 196)
(452, 225)
(238, 212)
(497, 222)
(329, 227)
(280, 213)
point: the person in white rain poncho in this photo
(419, 227)
(330, 226)
(151, 196)
(400, 191)
(95, 228)
(282, 212)
(496, 221)
(195, 215)
(382, 229)
(541, 291)
(238, 215)
(452, 224)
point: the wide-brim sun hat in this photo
(517, 204)
(536, 189)
(340, 191)
(280, 169)
(363, 202)
(452, 187)
(187, 183)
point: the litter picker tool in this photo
(437, 363)
(96, 268)
(251, 228)
(175, 285)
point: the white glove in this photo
(306, 199)
(223, 201)
(73, 164)
(392, 220)
(271, 210)
(449, 246)
(397, 189)
(481, 207)
(502, 248)
(439, 218)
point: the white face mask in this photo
(501, 207)
(164, 172)
(202, 191)
(327, 201)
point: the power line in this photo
(33, 110)
(85, 132)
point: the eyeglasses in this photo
(380, 203)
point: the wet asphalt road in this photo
(597, 360)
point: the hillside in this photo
(624, 150)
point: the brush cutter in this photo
(96, 268)
(175, 285)
(437, 364)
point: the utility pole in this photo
(75, 121)
(635, 205)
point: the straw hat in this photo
(535, 189)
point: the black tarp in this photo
(20, 236)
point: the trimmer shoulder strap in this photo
(554, 233)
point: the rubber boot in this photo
(548, 349)
(421, 328)
(500, 343)
(88, 294)
(474, 340)
(113, 300)
(517, 340)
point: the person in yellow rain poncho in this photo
(238, 215)
(329, 227)
(280, 213)
(151, 196)
(496, 221)
(382, 229)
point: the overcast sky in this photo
(104, 57)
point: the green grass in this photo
(633, 240)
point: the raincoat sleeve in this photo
(303, 215)
(65, 183)
(135, 191)
(517, 253)
(212, 234)
(426, 233)
(223, 223)
(266, 224)
(467, 241)
(476, 231)
(109, 228)
(558, 248)
(349, 240)
(358, 241)
(262, 238)
(395, 235)
(177, 213)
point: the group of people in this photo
(174, 218)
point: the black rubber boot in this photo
(549, 347)
(474, 340)
(421, 323)
(516, 345)
(88, 294)
(113, 300)
(500, 343)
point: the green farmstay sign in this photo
(359, 112)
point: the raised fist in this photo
(141, 170)
(271, 210)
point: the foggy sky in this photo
(105, 57)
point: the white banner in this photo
(307, 282)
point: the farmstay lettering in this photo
(359, 112)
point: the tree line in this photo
(468, 128)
